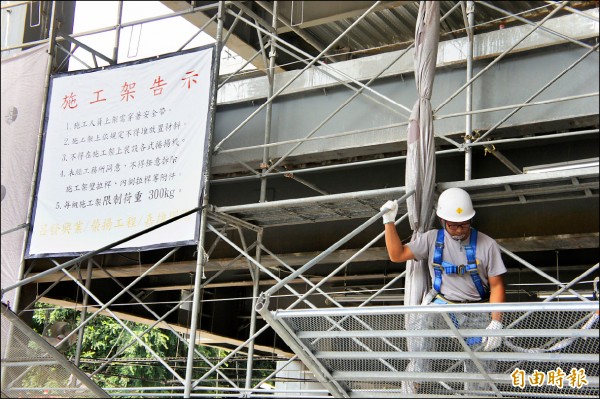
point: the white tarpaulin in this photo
(420, 157)
(23, 81)
(124, 149)
(420, 176)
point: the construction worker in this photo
(465, 267)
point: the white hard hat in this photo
(454, 205)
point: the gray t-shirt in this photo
(457, 287)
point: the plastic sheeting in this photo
(23, 80)
(420, 160)
(420, 169)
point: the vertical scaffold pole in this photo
(115, 55)
(469, 92)
(201, 260)
(84, 306)
(263, 197)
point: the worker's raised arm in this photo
(396, 251)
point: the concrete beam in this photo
(518, 244)
(451, 53)
(303, 14)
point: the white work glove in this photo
(392, 210)
(492, 343)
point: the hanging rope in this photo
(557, 346)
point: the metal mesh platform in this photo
(506, 190)
(32, 368)
(547, 349)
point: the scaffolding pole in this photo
(470, 20)
(202, 258)
(84, 305)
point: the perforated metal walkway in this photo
(548, 349)
(32, 368)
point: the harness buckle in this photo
(461, 269)
(474, 269)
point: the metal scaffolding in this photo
(354, 350)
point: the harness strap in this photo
(438, 260)
(443, 298)
(471, 249)
(440, 266)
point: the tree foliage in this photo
(133, 364)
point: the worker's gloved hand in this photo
(492, 343)
(390, 215)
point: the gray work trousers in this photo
(430, 321)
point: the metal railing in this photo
(548, 349)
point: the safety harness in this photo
(440, 266)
